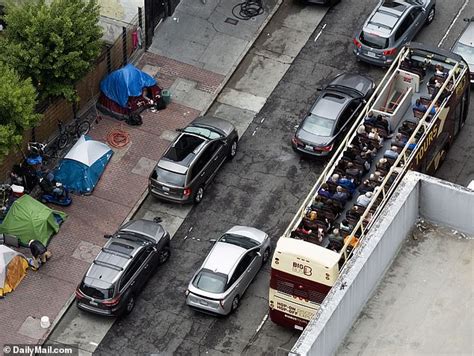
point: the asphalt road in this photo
(263, 187)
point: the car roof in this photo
(223, 258)
(467, 37)
(385, 17)
(182, 152)
(113, 258)
(150, 229)
(330, 105)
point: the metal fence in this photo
(127, 47)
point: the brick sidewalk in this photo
(46, 291)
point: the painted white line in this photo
(262, 120)
(253, 133)
(190, 229)
(452, 23)
(319, 33)
(261, 323)
(185, 237)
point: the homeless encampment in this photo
(13, 266)
(83, 165)
(28, 219)
(121, 93)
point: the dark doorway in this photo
(155, 11)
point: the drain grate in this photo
(231, 21)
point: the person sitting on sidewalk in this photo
(40, 253)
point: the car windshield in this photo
(209, 281)
(374, 41)
(173, 178)
(202, 131)
(238, 240)
(318, 125)
(464, 51)
(95, 292)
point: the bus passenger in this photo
(340, 195)
(364, 199)
(324, 191)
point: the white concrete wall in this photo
(338, 312)
(448, 204)
(122, 10)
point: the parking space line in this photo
(454, 21)
(319, 33)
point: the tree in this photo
(54, 44)
(17, 108)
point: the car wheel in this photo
(163, 255)
(233, 149)
(235, 304)
(130, 305)
(199, 195)
(431, 15)
(266, 255)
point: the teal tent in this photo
(28, 219)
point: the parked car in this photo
(333, 113)
(392, 24)
(193, 159)
(230, 267)
(464, 46)
(118, 273)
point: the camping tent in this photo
(83, 165)
(13, 266)
(121, 92)
(28, 219)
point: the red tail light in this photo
(79, 294)
(357, 43)
(111, 302)
(296, 141)
(390, 52)
(187, 192)
(324, 148)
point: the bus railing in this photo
(344, 144)
(401, 164)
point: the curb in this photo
(143, 196)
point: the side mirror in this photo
(296, 127)
(259, 254)
(107, 236)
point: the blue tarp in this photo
(82, 167)
(125, 82)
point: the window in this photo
(243, 266)
(133, 267)
(96, 292)
(404, 26)
(373, 40)
(318, 125)
(238, 240)
(201, 161)
(415, 13)
(169, 177)
(203, 131)
(209, 281)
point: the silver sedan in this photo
(228, 270)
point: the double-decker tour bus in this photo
(410, 122)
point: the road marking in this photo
(262, 120)
(319, 34)
(452, 23)
(261, 323)
(253, 133)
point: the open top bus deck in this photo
(437, 78)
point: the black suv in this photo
(122, 267)
(193, 159)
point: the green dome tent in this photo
(28, 219)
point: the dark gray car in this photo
(332, 114)
(120, 270)
(193, 159)
(392, 24)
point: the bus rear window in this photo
(300, 291)
(374, 41)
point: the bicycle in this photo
(71, 131)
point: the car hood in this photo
(313, 139)
(249, 232)
(145, 227)
(218, 123)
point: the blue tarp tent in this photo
(82, 167)
(125, 82)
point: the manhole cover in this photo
(231, 21)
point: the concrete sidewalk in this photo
(193, 57)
